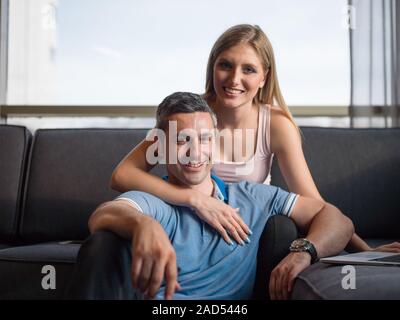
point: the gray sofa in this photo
(52, 182)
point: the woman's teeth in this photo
(233, 91)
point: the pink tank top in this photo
(258, 168)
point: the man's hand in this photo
(153, 257)
(284, 274)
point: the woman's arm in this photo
(286, 145)
(132, 174)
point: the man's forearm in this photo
(330, 231)
(115, 216)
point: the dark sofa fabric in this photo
(324, 282)
(69, 174)
(358, 171)
(14, 148)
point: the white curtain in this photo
(375, 69)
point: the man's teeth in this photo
(194, 164)
(231, 90)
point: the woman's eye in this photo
(224, 65)
(249, 70)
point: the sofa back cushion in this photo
(358, 170)
(69, 176)
(14, 146)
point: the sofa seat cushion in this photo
(62, 252)
(322, 281)
(21, 270)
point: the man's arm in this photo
(327, 228)
(152, 252)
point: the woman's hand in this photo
(221, 217)
(391, 247)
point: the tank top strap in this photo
(264, 123)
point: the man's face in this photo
(193, 148)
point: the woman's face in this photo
(238, 74)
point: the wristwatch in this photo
(304, 245)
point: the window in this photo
(123, 52)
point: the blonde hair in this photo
(270, 93)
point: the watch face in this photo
(300, 244)
(304, 245)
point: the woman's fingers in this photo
(233, 233)
(392, 247)
(233, 224)
(391, 250)
(243, 229)
(240, 221)
(243, 236)
(223, 233)
(225, 220)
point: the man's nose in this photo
(194, 149)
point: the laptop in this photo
(366, 258)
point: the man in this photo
(173, 242)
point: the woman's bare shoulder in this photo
(282, 129)
(279, 118)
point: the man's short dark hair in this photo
(182, 102)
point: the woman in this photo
(242, 88)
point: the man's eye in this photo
(183, 140)
(205, 140)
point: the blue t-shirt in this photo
(208, 267)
